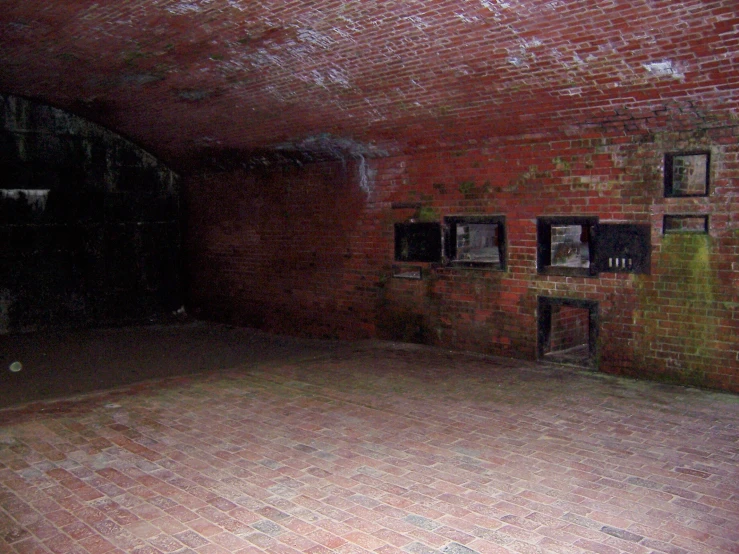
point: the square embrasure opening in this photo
(418, 242)
(687, 173)
(476, 241)
(568, 331)
(569, 248)
(565, 245)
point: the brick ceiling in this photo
(184, 77)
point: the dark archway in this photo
(89, 223)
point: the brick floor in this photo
(374, 447)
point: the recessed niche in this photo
(623, 248)
(568, 331)
(687, 173)
(565, 245)
(418, 242)
(476, 241)
(685, 224)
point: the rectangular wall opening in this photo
(476, 241)
(568, 247)
(565, 245)
(687, 173)
(418, 242)
(567, 331)
(685, 224)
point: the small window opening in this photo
(567, 331)
(687, 173)
(418, 242)
(685, 224)
(476, 241)
(570, 246)
(565, 245)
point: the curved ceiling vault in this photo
(182, 77)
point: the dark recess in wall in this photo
(89, 224)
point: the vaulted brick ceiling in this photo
(186, 76)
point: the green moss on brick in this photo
(427, 213)
(683, 316)
(466, 187)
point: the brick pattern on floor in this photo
(383, 449)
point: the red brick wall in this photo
(570, 327)
(680, 321)
(275, 249)
(309, 251)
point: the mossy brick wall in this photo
(89, 224)
(309, 250)
(680, 322)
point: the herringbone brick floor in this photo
(374, 447)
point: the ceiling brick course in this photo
(183, 77)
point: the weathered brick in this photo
(297, 126)
(672, 322)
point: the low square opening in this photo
(568, 331)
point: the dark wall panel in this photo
(89, 224)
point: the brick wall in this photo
(679, 322)
(309, 250)
(569, 328)
(281, 250)
(583, 97)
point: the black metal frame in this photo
(624, 248)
